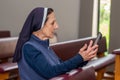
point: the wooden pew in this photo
(7, 46)
(8, 69)
(4, 34)
(64, 50)
(117, 64)
(68, 49)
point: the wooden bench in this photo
(64, 50)
(8, 69)
(7, 47)
(68, 49)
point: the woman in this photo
(36, 60)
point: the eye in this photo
(53, 22)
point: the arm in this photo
(40, 64)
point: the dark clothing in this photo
(41, 58)
(32, 23)
(26, 72)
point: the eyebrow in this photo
(53, 21)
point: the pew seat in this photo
(8, 66)
(8, 70)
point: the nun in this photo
(36, 60)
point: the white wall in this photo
(86, 16)
(14, 12)
(115, 25)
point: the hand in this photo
(88, 52)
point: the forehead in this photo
(51, 16)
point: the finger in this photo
(90, 44)
(91, 47)
(92, 56)
(83, 48)
(93, 52)
(94, 47)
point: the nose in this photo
(56, 26)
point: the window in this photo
(101, 18)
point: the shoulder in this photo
(30, 50)
(30, 44)
(29, 47)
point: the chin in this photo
(51, 36)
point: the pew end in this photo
(117, 63)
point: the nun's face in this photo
(50, 26)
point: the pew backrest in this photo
(4, 34)
(7, 47)
(64, 50)
(68, 49)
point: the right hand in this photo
(88, 52)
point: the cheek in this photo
(49, 31)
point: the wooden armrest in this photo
(8, 66)
(78, 74)
(116, 51)
(101, 62)
(67, 75)
(85, 74)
